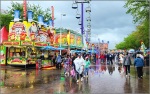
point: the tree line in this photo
(139, 9)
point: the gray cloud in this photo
(109, 20)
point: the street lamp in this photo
(61, 30)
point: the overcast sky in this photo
(109, 21)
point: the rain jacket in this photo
(79, 64)
(139, 62)
(127, 60)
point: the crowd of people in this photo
(77, 65)
(124, 59)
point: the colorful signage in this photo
(11, 43)
(16, 31)
(24, 8)
(52, 8)
(16, 60)
(51, 33)
(63, 39)
(72, 39)
(40, 44)
(33, 30)
(78, 41)
(2, 55)
(27, 43)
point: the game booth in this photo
(25, 40)
(20, 44)
(69, 39)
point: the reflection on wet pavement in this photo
(102, 79)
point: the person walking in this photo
(126, 64)
(58, 61)
(102, 57)
(139, 63)
(73, 58)
(107, 56)
(110, 58)
(67, 65)
(86, 67)
(79, 66)
(121, 59)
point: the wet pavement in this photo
(102, 79)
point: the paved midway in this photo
(102, 79)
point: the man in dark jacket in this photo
(139, 63)
(110, 58)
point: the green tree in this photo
(139, 9)
(121, 45)
(36, 9)
(134, 39)
(5, 19)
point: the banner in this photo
(40, 19)
(30, 16)
(16, 15)
(52, 8)
(24, 9)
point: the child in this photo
(67, 65)
(86, 67)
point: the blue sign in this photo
(30, 16)
(40, 19)
(16, 15)
(50, 22)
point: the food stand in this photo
(20, 46)
(44, 39)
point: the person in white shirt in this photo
(79, 66)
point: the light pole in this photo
(61, 30)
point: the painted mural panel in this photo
(78, 40)
(63, 39)
(72, 39)
(2, 55)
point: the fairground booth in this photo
(70, 39)
(25, 38)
